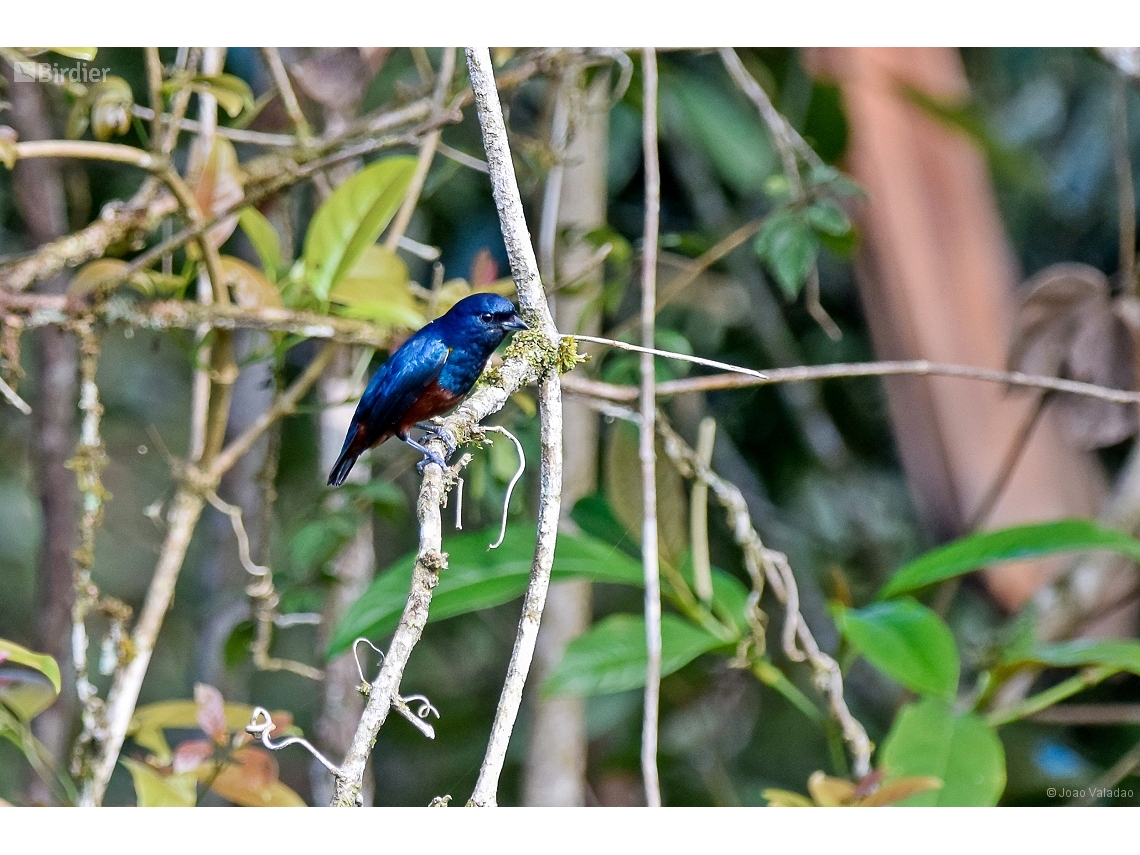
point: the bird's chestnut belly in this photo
(433, 401)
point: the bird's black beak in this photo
(514, 322)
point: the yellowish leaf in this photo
(785, 798)
(828, 791)
(149, 721)
(901, 788)
(219, 187)
(252, 290)
(153, 789)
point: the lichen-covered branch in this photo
(531, 355)
(532, 298)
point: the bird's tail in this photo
(343, 466)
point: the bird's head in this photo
(483, 317)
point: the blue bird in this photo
(429, 374)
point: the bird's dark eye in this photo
(486, 317)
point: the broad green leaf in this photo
(264, 239)
(826, 216)
(153, 789)
(1008, 544)
(786, 244)
(929, 739)
(350, 220)
(595, 517)
(907, 642)
(29, 682)
(610, 656)
(1080, 653)
(477, 578)
(376, 289)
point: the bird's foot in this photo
(431, 457)
(438, 431)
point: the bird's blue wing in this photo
(402, 379)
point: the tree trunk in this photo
(42, 203)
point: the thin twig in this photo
(1084, 679)
(676, 286)
(14, 399)
(427, 154)
(288, 97)
(646, 449)
(1008, 464)
(699, 515)
(240, 135)
(742, 378)
(683, 357)
(788, 142)
(1112, 776)
(154, 89)
(462, 158)
(779, 127)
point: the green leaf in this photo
(1008, 544)
(722, 125)
(929, 739)
(907, 642)
(232, 93)
(827, 217)
(478, 578)
(376, 289)
(84, 53)
(350, 220)
(153, 789)
(1124, 655)
(595, 517)
(786, 244)
(611, 657)
(264, 239)
(29, 682)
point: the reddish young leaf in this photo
(191, 754)
(211, 712)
